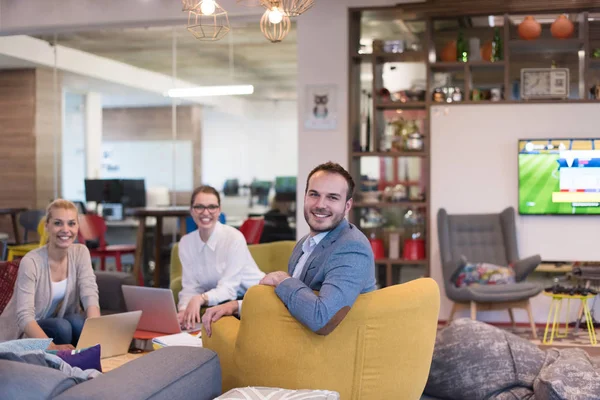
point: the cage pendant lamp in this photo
(275, 25)
(189, 5)
(208, 27)
(291, 8)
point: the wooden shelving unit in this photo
(574, 53)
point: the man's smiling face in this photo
(325, 204)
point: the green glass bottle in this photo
(497, 47)
(462, 51)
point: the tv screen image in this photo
(559, 176)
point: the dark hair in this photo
(205, 189)
(334, 168)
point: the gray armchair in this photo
(489, 238)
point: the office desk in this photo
(13, 211)
(159, 213)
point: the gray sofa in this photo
(170, 373)
(109, 289)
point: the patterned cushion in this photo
(8, 277)
(264, 393)
(88, 358)
(484, 274)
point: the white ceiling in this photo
(244, 56)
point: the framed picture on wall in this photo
(321, 107)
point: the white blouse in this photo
(222, 267)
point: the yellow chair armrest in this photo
(176, 287)
(223, 341)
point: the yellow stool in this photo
(553, 315)
(20, 250)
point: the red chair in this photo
(252, 229)
(92, 228)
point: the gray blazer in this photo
(340, 268)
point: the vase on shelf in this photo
(486, 51)
(448, 53)
(562, 28)
(529, 29)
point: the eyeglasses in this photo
(201, 207)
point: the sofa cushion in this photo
(23, 381)
(265, 393)
(8, 277)
(176, 372)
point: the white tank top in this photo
(58, 294)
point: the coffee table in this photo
(111, 363)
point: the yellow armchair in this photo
(268, 256)
(381, 350)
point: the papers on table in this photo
(178, 339)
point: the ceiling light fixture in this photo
(208, 7)
(208, 27)
(203, 91)
(275, 24)
(275, 16)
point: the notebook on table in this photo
(113, 332)
(159, 313)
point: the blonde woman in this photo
(52, 284)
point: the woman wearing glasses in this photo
(216, 263)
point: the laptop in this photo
(159, 313)
(113, 332)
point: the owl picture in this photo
(320, 106)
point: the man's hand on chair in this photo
(213, 314)
(274, 278)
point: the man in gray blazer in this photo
(335, 258)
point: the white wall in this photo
(474, 170)
(263, 144)
(73, 147)
(151, 160)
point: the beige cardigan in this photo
(32, 296)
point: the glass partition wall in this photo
(119, 121)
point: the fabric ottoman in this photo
(264, 393)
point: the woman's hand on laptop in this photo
(191, 315)
(53, 346)
(215, 313)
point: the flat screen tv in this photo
(559, 176)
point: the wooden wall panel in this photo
(48, 129)
(17, 141)
(154, 123)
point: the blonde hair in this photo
(60, 203)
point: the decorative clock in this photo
(544, 83)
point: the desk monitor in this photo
(103, 190)
(134, 193)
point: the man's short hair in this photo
(334, 168)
